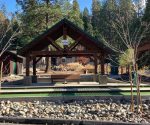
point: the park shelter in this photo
(12, 63)
(37, 47)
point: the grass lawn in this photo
(70, 94)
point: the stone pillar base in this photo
(102, 79)
(27, 80)
(34, 79)
(95, 78)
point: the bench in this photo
(65, 77)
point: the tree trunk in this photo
(1, 73)
(131, 85)
(139, 100)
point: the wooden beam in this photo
(73, 45)
(61, 54)
(54, 44)
(38, 59)
(65, 37)
(92, 58)
(64, 33)
(145, 47)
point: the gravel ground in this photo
(104, 110)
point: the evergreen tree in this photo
(74, 14)
(107, 14)
(87, 21)
(146, 16)
(96, 6)
(65, 6)
(126, 8)
(33, 17)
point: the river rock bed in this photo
(104, 110)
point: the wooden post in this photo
(102, 65)
(18, 67)
(27, 78)
(27, 66)
(95, 63)
(11, 67)
(107, 68)
(34, 77)
(34, 66)
(121, 70)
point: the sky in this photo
(12, 6)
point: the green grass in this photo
(70, 94)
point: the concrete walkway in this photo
(73, 89)
(70, 84)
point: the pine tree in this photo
(126, 8)
(74, 14)
(146, 16)
(87, 21)
(96, 6)
(33, 17)
(65, 6)
(107, 15)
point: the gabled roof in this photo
(11, 53)
(56, 31)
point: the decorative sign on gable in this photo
(65, 42)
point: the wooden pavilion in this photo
(37, 48)
(12, 63)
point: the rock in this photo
(25, 110)
(7, 111)
(95, 117)
(130, 113)
(86, 109)
(85, 116)
(37, 102)
(72, 114)
(4, 107)
(145, 107)
(3, 112)
(118, 114)
(103, 112)
(22, 113)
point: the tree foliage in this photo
(146, 16)
(96, 7)
(74, 14)
(87, 21)
(36, 12)
(9, 30)
(127, 57)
